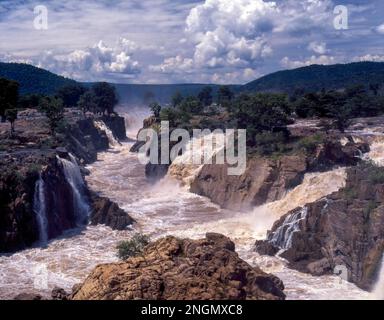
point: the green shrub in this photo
(132, 247)
(310, 143)
(268, 143)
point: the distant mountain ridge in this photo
(317, 77)
(311, 78)
(33, 79)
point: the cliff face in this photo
(181, 269)
(346, 229)
(267, 180)
(21, 169)
(17, 221)
(263, 180)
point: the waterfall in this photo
(40, 210)
(282, 237)
(75, 179)
(198, 150)
(113, 142)
(314, 187)
(378, 292)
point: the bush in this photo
(310, 143)
(132, 247)
(268, 143)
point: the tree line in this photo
(266, 116)
(100, 98)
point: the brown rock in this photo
(264, 180)
(59, 294)
(104, 211)
(346, 229)
(28, 296)
(176, 269)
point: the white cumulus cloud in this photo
(318, 47)
(99, 61)
(322, 59)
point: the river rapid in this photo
(162, 209)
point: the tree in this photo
(53, 108)
(155, 108)
(70, 94)
(87, 102)
(11, 116)
(29, 101)
(176, 99)
(105, 97)
(261, 113)
(9, 95)
(191, 105)
(170, 114)
(342, 117)
(225, 96)
(205, 96)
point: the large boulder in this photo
(104, 211)
(181, 269)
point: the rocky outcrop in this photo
(266, 179)
(345, 229)
(20, 170)
(17, 186)
(263, 180)
(332, 152)
(117, 125)
(181, 269)
(104, 211)
(84, 140)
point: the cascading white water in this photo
(113, 142)
(39, 208)
(162, 209)
(282, 237)
(187, 166)
(314, 187)
(75, 179)
(378, 292)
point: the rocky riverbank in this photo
(33, 156)
(343, 231)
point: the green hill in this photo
(317, 77)
(33, 79)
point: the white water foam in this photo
(75, 179)
(113, 142)
(165, 208)
(39, 208)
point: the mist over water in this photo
(167, 208)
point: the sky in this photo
(188, 41)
